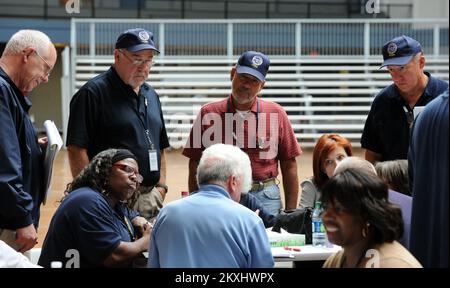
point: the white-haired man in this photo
(26, 62)
(210, 228)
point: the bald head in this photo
(355, 163)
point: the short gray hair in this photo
(27, 38)
(417, 57)
(357, 163)
(395, 174)
(220, 161)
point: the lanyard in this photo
(130, 230)
(259, 142)
(144, 123)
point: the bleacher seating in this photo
(320, 94)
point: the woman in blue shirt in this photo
(93, 226)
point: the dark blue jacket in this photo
(251, 202)
(20, 160)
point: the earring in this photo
(365, 230)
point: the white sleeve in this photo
(9, 258)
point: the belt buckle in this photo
(260, 185)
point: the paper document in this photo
(54, 145)
(417, 110)
(280, 252)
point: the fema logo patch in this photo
(391, 49)
(257, 61)
(143, 35)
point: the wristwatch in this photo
(164, 186)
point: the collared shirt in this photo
(107, 113)
(271, 141)
(386, 131)
(206, 230)
(21, 165)
(86, 222)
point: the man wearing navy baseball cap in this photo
(135, 40)
(117, 109)
(254, 125)
(400, 51)
(387, 128)
(253, 63)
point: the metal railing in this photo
(313, 61)
(281, 37)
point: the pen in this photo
(292, 249)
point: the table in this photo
(308, 256)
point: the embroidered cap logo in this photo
(256, 61)
(391, 49)
(143, 35)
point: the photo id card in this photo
(153, 159)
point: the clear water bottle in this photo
(319, 236)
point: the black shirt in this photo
(386, 130)
(106, 113)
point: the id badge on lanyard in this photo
(152, 154)
(153, 159)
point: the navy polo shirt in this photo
(386, 130)
(86, 222)
(106, 113)
(21, 165)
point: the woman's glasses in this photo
(130, 171)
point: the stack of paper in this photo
(54, 145)
(285, 239)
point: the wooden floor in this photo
(177, 175)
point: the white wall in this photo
(421, 8)
(430, 9)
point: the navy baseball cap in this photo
(400, 50)
(253, 63)
(136, 39)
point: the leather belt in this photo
(260, 185)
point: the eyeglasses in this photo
(130, 171)
(49, 68)
(138, 62)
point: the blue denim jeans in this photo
(270, 198)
